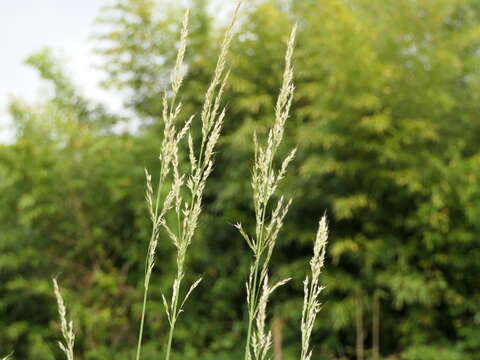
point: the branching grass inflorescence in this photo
(265, 181)
(168, 160)
(65, 326)
(313, 288)
(185, 196)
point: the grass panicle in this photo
(65, 326)
(168, 162)
(265, 181)
(185, 195)
(262, 338)
(313, 288)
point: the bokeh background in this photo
(386, 117)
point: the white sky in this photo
(27, 26)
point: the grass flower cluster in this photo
(265, 181)
(65, 326)
(313, 288)
(185, 195)
(180, 193)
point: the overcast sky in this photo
(27, 26)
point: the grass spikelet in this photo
(65, 326)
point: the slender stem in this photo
(253, 302)
(174, 320)
(142, 321)
(169, 344)
(251, 312)
(247, 345)
(147, 275)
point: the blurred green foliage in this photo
(386, 119)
